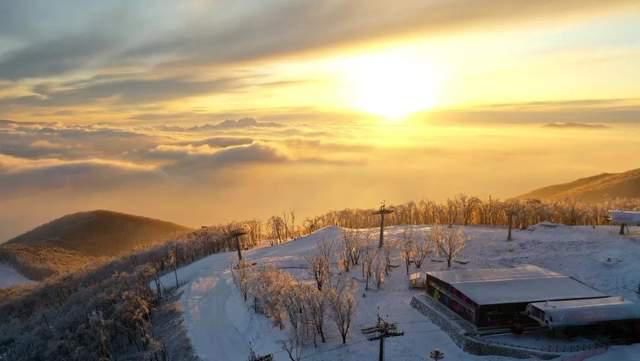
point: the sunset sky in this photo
(202, 111)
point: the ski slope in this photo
(221, 325)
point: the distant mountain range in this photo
(598, 188)
(75, 240)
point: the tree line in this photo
(460, 210)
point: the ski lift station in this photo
(530, 296)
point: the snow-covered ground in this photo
(222, 326)
(9, 277)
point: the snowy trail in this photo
(218, 321)
(10, 277)
(207, 313)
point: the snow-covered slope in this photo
(9, 277)
(222, 326)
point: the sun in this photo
(392, 86)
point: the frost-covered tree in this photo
(354, 244)
(343, 306)
(241, 273)
(449, 242)
(320, 263)
(423, 247)
(316, 303)
(408, 247)
(367, 267)
(293, 345)
(379, 268)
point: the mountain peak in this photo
(99, 232)
(597, 188)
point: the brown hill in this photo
(99, 233)
(82, 239)
(598, 188)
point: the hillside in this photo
(598, 188)
(99, 233)
(77, 240)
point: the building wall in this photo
(452, 298)
(503, 315)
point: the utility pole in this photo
(236, 234)
(382, 211)
(380, 331)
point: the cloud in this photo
(72, 142)
(234, 124)
(51, 57)
(189, 159)
(119, 90)
(18, 175)
(580, 111)
(223, 142)
(575, 125)
(298, 26)
(67, 36)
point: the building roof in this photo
(624, 217)
(586, 312)
(522, 284)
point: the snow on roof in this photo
(626, 217)
(494, 274)
(586, 312)
(522, 284)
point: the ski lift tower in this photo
(382, 211)
(236, 234)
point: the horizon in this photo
(204, 112)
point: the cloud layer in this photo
(71, 54)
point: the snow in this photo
(584, 312)
(621, 353)
(221, 325)
(515, 285)
(529, 290)
(10, 277)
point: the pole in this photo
(379, 332)
(382, 211)
(381, 243)
(238, 248)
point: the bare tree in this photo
(452, 212)
(353, 245)
(449, 242)
(379, 268)
(320, 263)
(387, 250)
(408, 247)
(172, 258)
(241, 273)
(467, 206)
(343, 305)
(423, 248)
(293, 345)
(316, 306)
(278, 232)
(512, 209)
(367, 266)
